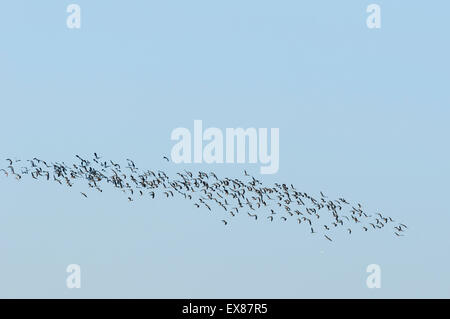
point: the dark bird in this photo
(204, 189)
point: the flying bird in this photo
(206, 190)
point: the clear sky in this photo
(363, 113)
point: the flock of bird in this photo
(229, 196)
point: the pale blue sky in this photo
(362, 114)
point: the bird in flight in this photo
(227, 195)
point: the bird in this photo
(224, 221)
(328, 238)
(204, 190)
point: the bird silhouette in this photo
(227, 195)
